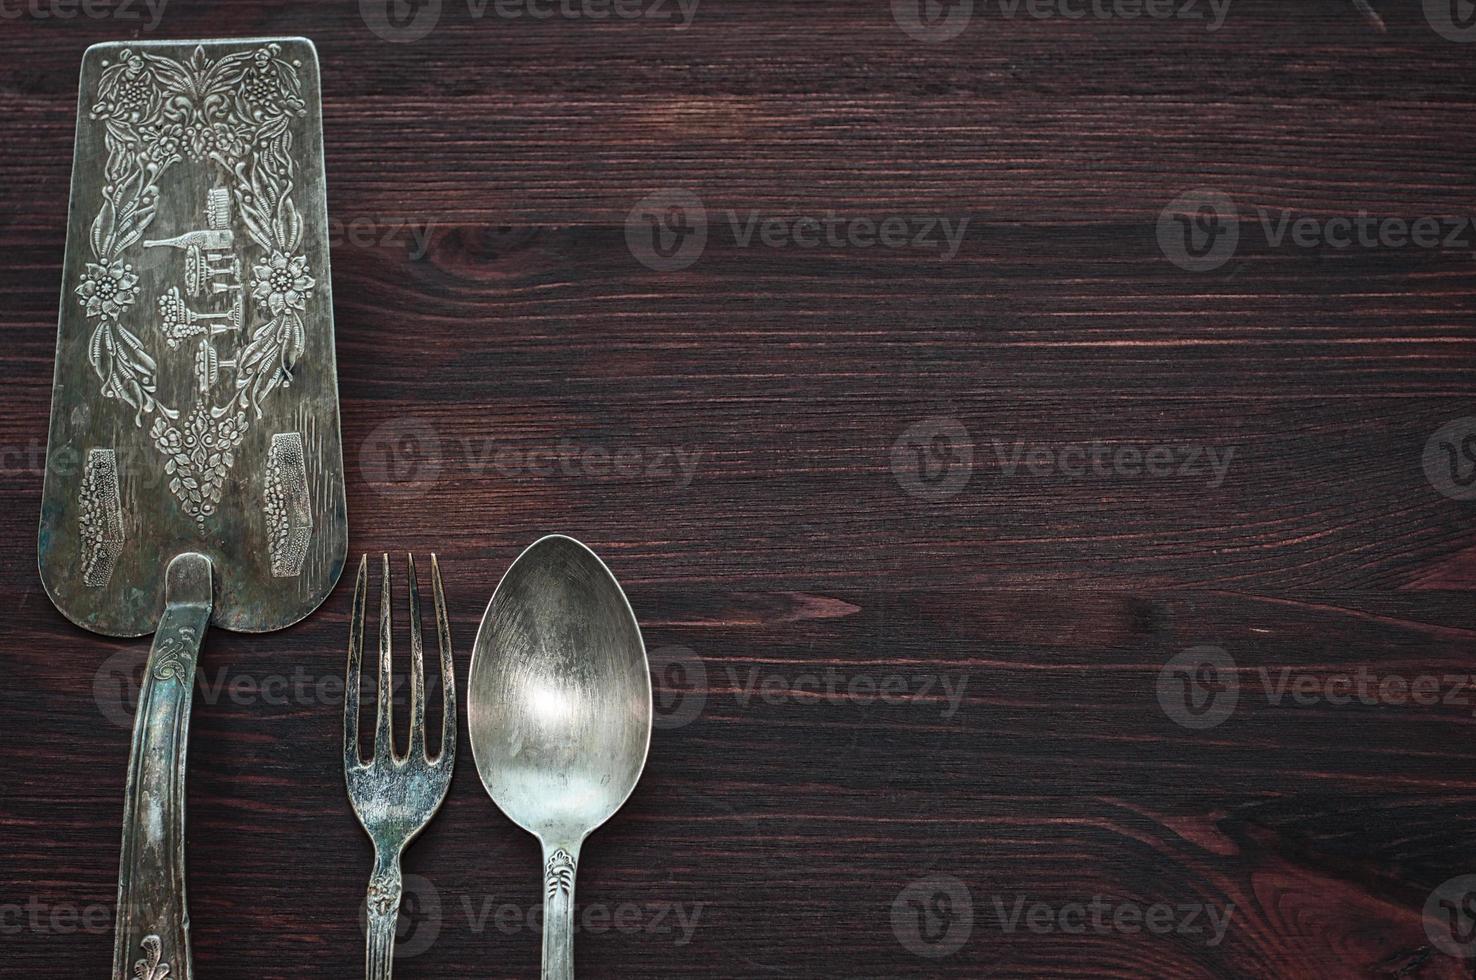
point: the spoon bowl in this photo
(559, 711)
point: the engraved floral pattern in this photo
(173, 660)
(283, 283)
(559, 873)
(149, 968)
(288, 513)
(386, 890)
(231, 114)
(107, 289)
(200, 455)
(100, 518)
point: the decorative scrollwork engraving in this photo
(231, 115)
(101, 518)
(173, 654)
(288, 511)
(149, 968)
(559, 873)
(385, 892)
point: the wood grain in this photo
(518, 332)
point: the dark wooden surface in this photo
(790, 825)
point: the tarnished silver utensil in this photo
(394, 797)
(559, 710)
(194, 470)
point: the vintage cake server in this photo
(559, 710)
(194, 471)
(395, 796)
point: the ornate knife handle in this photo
(153, 926)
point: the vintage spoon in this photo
(559, 710)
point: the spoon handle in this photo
(560, 863)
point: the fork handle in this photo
(152, 939)
(560, 865)
(383, 907)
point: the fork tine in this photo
(384, 730)
(417, 670)
(352, 680)
(448, 669)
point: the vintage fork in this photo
(394, 797)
